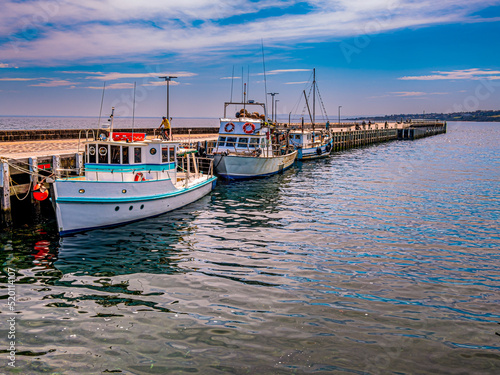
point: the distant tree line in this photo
(482, 116)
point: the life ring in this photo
(249, 128)
(318, 151)
(103, 151)
(139, 177)
(229, 127)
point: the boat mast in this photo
(111, 118)
(308, 109)
(314, 97)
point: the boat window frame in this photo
(240, 144)
(102, 159)
(221, 141)
(89, 156)
(137, 155)
(165, 151)
(230, 142)
(172, 153)
(125, 155)
(254, 142)
(113, 154)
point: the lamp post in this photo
(168, 79)
(339, 114)
(272, 103)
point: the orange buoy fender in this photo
(40, 193)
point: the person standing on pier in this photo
(165, 129)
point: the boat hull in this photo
(314, 153)
(246, 167)
(143, 199)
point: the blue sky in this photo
(371, 57)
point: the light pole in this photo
(339, 114)
(167, 78)
(272, 103)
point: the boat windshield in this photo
(254, 142)
(243, 142)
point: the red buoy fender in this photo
(40, 193)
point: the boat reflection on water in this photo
(154, 246)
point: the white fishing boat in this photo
(311, 144)
(248, 148)
(126, 178)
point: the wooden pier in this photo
(36, 154)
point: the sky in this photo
(371, 57)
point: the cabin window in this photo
(164, 154)
(297, 136)
(137, 155)
(125, 155)
(243, 142)
(171, 152)
(231, 141)
(103, 154)
(222, 141)
(254, 142)
(115, 154)
(92, 153)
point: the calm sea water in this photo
(383, 259)
(39, 123)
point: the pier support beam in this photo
(79, 163)
(36, 208)
(56, 165)
(5, 207)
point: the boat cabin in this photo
(114, 160)
(306, 139)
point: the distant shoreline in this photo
(476, 116)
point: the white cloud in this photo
(54, 83)
(4, 65)
(162, 83)
(416, 93)
(56, 32)
(296, 83)
(279, 71)
(113, 86)
(18, 79)
(114, 76)
(467, 74)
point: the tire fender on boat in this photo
(318, 151)
(328, 147)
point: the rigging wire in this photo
(100, 111)
(133, 114)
